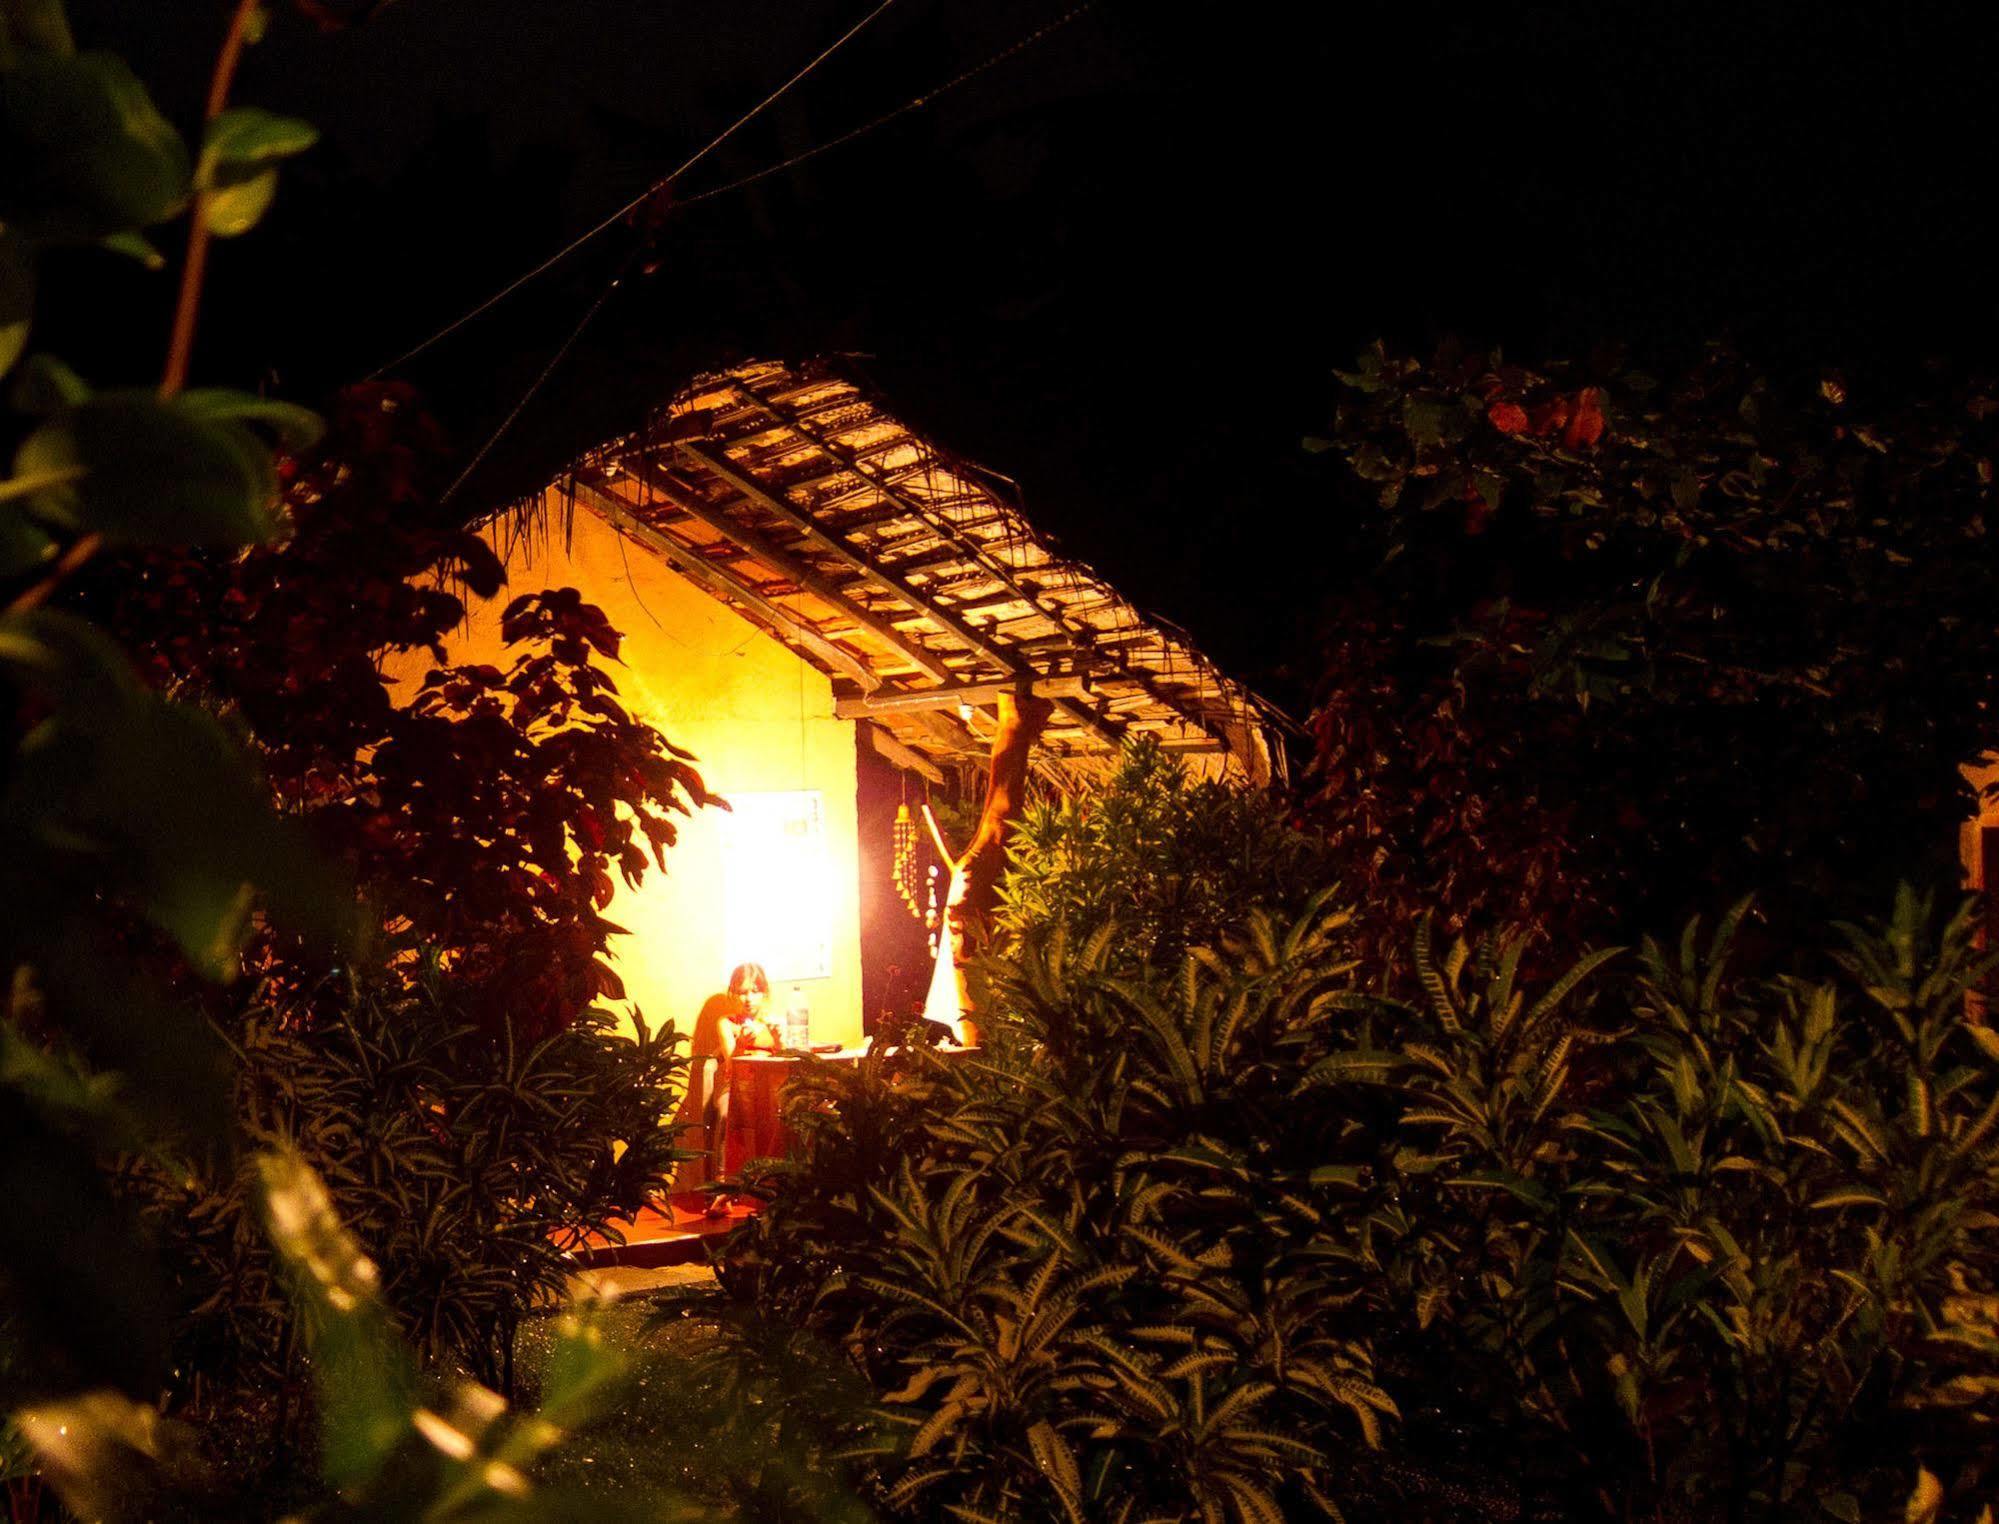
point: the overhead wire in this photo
(915, 103)
(639, 200)
(541, 380)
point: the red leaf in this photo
(1585, 421)
(1549, 417)
(1507, 417)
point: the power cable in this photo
(637, 201)
(916, 103)
(913, 104)
(539, 381)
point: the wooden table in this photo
(756, 1102)
(756, 1105)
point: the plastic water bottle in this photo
(797, 1030)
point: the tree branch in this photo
(72, 560)
(180, 350)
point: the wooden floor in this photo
(681, 1234)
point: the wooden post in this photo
(974, 879)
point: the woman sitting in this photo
(730, 1023)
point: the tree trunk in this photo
(973, 885)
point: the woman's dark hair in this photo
(748, 977)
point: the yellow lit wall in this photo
(757, 719)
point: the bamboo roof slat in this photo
(794, 494)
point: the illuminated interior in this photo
(777, 879)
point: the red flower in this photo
(333, 15)
(1507, 417)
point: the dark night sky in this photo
(1119, 266)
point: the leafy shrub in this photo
(139, 848)
(468, 1164)
(1083, 1274)
(484, 813)
(1176, 862)
(1704, 1248)
(134, 839)
(1592, 661)
(1243, 1237)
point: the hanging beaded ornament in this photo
(906, 881)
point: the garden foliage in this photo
(469, 1167)
(1236, 1237)
(134, 838)
(149, 1091)
(1617, 648)
(1176, 862)
(486, 808)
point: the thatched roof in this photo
(908, 577)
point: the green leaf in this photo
(23, 545)
(132, 246)
(45, 386)
(173, 1078)
(1846, 1198)
(366, 1383)
(17, 298)
(69, 660)
(1349, 1176)
(106, 1455)
(1424, 421)
(58, 1087)
(238, 173)
(118, 791)
(157, 798)
(154, 472)
(235, 208)
(100, 158)
(1925, 1505)
(1365, 1066)
(28, 486)
(1518, 1186)
(251, 136)
(35, 24)
(296, 427)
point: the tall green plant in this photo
(134, 838)
(1088, 1283)
(1694, 1246)
(470, 1168)
(1176, 861)
(1648, 1240)
(137, 848)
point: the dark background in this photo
(1117, 267)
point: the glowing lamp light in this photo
(777, 884)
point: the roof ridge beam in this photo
(900, 701)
